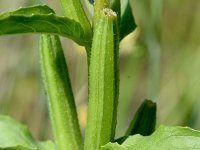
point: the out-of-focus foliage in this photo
(160, 60)
(16, 136)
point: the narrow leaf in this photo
(127, 24)
(144, 120)
(60, 96)
(163, 138)
(15, 136)
(102, 89)
(41, 19)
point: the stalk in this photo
(73, 9)
(60, 96)
(103, 82)
(154, 68)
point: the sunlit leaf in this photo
(41, 19)
(164, 138)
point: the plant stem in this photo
(99, 5)
(154, 67)
(73, 9)
(60, 96)
(103, 82)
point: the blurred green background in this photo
(160, 60)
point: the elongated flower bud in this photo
(60, 97)
(102, 86)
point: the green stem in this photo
(60, 96)
(154, 67)
(99, 5)
(74, 10)
(103, 90)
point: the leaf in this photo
(46, 145)
(144, 120)
(41, 19)
(127, 24)
(164, 138)
(37, 10)
(15, 136)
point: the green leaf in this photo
(36, 10)
(60, 96)
(127, 24)
(41, 19)
(144, 120)
(15, 136)
(164, 138)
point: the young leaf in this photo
(144, 120)
(41, 19)
(60, 96)
(163, 138)
(127, 24)
(102, 86)
(15, 136)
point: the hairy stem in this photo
(103, 90)
(73, 9)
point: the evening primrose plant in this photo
(101, 40)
